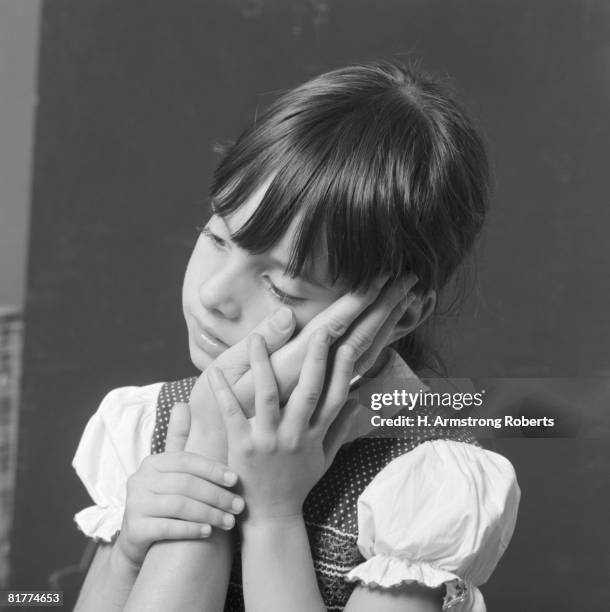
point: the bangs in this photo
(339, 169)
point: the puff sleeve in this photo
(441, 513)
(114, 442)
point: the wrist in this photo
(121, 563)
(210, 444)
(277, 523)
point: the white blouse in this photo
(441, 513)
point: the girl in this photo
(352, 201)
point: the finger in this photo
(384, 336)
(338, 317)
(196, 465)
(187, 509)
(276, 330)
(364, 332)
(306, 395)
(340, 429)
(178, 428)
(266, 398)
(337, 389)
(154, 529)
(232, 414)
(197, 489)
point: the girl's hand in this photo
(365, 322)
(176, 495)
(208, 435)
(280, 454)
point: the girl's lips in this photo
(208, 342)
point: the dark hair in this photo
(384, 168)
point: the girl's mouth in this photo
(209, 343)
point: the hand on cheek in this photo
(365, 322)
(280, 454)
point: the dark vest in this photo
(330, 510)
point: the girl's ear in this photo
(417, 312)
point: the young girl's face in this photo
(228, 291)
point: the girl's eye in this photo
(216, 240)
(277, 293)
(283, 297)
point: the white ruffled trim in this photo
(384, 571)
(387, 571)
(116, 439)
(100, 523)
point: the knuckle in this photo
(232, 410)
(179, 506)
(135, 484)
(131, 483)
(267, 445)
(270, 397)
(336, 327)
(171, 506)
(148, 463)
(248, 448)
(213, 516)
(215, 472)
(311, 398)
(292, 444)
(182, 482)
(217, 499)
(182, 462)
(164, 530)
(360, 339)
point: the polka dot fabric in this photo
(178, 391)
(330, 510)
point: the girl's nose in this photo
(218, 294)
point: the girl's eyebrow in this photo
(305, 274)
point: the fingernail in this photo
(230, 478)
(206, 530)
(282, 319)
(238, 504)
(228, 520)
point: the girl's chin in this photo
(200, 359)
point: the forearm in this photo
(277, 567)
(108, 582)
(184, 575)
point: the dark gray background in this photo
(132, 96)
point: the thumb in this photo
(178, 428)
(276, 330)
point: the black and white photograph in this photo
(304, 305)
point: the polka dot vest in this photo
(330, 510)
